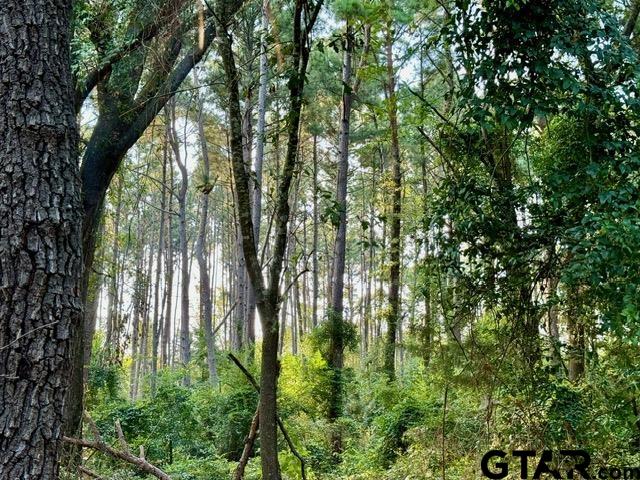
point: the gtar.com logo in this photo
(495, 464)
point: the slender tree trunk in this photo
(185, 336)
(268, 296)
(240, 290)
(143, 356)
(393, 316)
(576, 343)
(157, 317)
(316, 226)
(553, 326)
(40, 244)
(259, 161)
(137, 313)
(113, 306)
(336, 310)
(248, 295)
(206, 312)
(169, 265)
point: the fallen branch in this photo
(285, 434)
(248, 445)
(125, 454)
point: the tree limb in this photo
(248, 445)
(125, 454)
(284, 431)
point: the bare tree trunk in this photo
(113, 305)
(143, 356)
(316, 226)
(240, 290)
(248, 295)
(137, 312)
(553, 326)
(169, 264)
(393, 316)
(185, 336)
(268, 296)
(336, 308)
(40, 244)
(157, 318)
(259, 159)
(202, 254)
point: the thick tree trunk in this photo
(40, 235)
(393, 316)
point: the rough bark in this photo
(40, 235)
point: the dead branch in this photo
(248, 445)
(285, 434)
(125, 454)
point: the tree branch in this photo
(284, 431)
(125, 454)
(248, 445)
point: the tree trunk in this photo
(393, 316)
(113, 306)
(259, 161)
(576, 343)
(169, 264)
(267, 297)
(202, 253)
(157, 317)
(137, 313)
(336, 310)
(185, 336)
(40, 239)
(316, 226)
